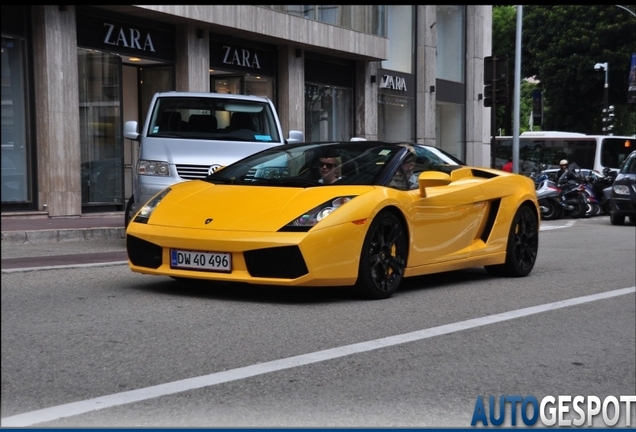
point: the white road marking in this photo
(568, 224)
(99, 403)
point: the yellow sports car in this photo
(362, 213)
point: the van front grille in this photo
(193, 172)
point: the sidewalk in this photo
(40, 228)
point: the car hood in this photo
(205, 152)
(625, 178)
(241, 208)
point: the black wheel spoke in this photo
(385, 257)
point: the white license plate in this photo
(209, 261)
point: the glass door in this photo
(99, 77)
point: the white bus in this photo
(588, 151)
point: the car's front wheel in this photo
(616, 219)
(523, 244)
(383, 257)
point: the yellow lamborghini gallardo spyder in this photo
(363, 214)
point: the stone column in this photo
(193, 58)
(291, 89)
(425, 77)
(57, 128)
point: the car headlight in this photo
(146, 210)
(154, 168)
(621, 189)
(315, 215)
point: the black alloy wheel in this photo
(523, 244)
(383, 257)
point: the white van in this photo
(189, 135)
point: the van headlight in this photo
(143, 215)
(154, 168)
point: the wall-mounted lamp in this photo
(372, 79)
(299, 52)
(432, 89)
(480, 96)
(199, 33)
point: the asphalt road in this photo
(95, 345)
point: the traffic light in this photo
(608, 120)
(501, 96)
(495, 77)
(537, 107)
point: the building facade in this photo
(72, 75)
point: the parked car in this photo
(267, 219)
(623, 193)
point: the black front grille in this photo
(192, 172)
(142, 253)
(285, 262)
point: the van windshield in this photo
(213, 119)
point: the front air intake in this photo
(285, 262)
(142, 253)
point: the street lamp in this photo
(605, 67)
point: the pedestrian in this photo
(508, 166)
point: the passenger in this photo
(407, 173)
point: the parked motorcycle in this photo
(598, 202)
(549, 197)
(572, 185)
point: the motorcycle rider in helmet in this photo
(564, 174)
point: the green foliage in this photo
(560, 46)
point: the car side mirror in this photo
(428, 179)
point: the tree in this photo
(560, 46)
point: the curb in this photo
(61, 235)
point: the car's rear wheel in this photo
(383, 257)
(616, 219)
(523, 244)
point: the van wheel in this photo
(130, 211)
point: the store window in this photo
(396, 83)
(245, 84)
(328, 98)
(329, 112)
(99, 77)
(450, 85)
(16, 156)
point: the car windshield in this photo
(356, 163)
(629, 166)
(213, 119)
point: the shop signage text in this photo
(393, 83)
(129, 38)
(240, 57)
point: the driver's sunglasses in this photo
(563, 166)
(325, 164)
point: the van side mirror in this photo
(295, 136)
(130, 130)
